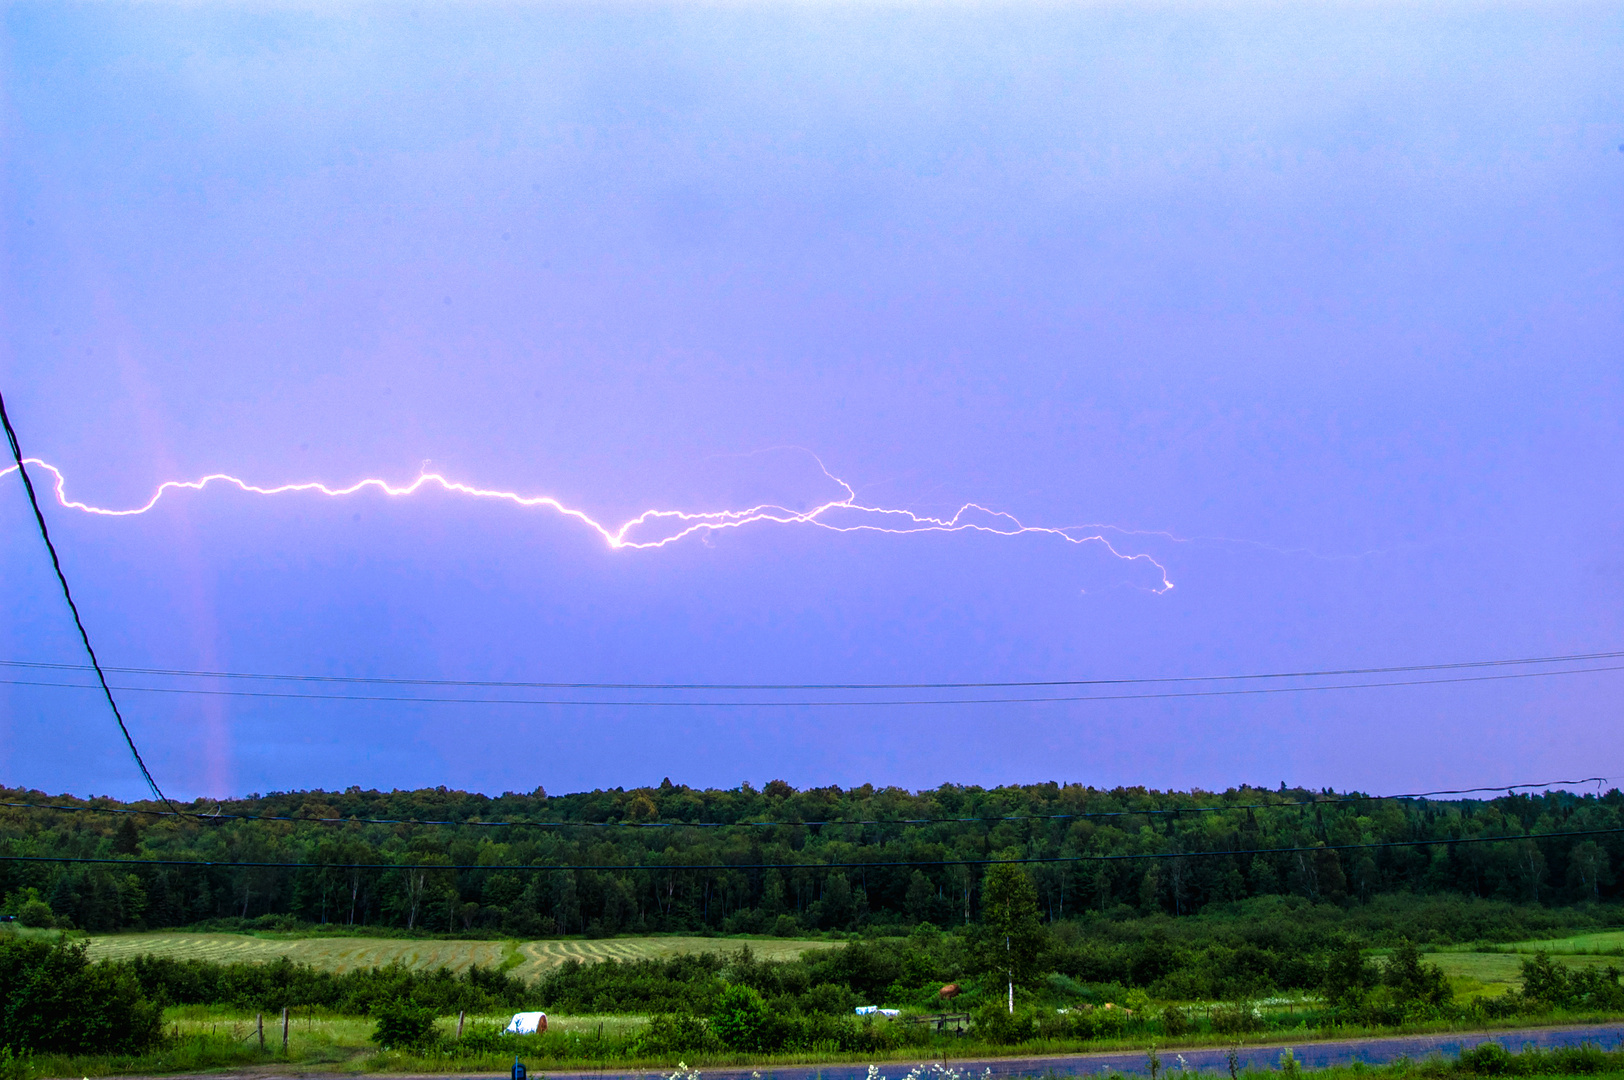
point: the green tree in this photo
(402, 1024)
(1546, 981)
(1011, 939)
(1588, 870)
(1415, 984)
(36, 914)
(52, 999)
(741, 1019)
(1347, 976)
(920, 894)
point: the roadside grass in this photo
(526, 959)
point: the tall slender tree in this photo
(1012, 935)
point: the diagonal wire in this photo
(84, 636)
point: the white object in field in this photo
(872, 1010)
(526, 1023)
(890, 1012)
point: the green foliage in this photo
(1491, 1059)
(1347, 977)
(901, 884)
(1486, 1059)
(15, 1065)
(678, 1033)
(53, 1000)
(1556, 985)
(995, 1024)
(742, 1020)
(36, 914)
(1011, 941)
(401, 1024)
(1415, 985)
(281, 983)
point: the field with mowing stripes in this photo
(527, 959)
(1605, 941)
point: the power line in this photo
(577, 702)
(756, 823)
(529, 685)
(84, 635)
(805, 866)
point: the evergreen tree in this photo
(1347, 976)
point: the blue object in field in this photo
(518, 1069)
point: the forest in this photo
(775, 860)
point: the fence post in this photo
(460, 1014)
(284, 1029)
(259, 1026)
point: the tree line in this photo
(678, 859)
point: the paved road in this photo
(1311, 1055)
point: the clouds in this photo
(1342, 280)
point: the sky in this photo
(1315, 312)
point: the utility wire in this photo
(769, 703)
(498, 684)
(809, 866)
(84, 636)
(992, 820)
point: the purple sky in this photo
(1335, 293)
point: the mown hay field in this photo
(344, 954)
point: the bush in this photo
(1486, 1059)
(37, 914)
(402, 1024)
(1240, 1018)
(15, 1066)
(741, 1019)
(281, 982)
(53, 1000)
(1176, 1022)
(997, 1025)
(674, 1034)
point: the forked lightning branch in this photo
(652, 528)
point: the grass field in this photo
(526, 959)
(1606, 941)
(1481, 974)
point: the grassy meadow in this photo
(214, 1037)
(526, 959)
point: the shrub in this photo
(36, 914)
(674, 1034)
(1176, 1022)
(53, 1000)
(741, 1019)
(1486, 1059)
(15, 1066)
(1416, 986)
(997, 1025)
(1237, 1019)
(402, 1024)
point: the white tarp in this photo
(527, 1023)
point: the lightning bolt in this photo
(844, 514)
